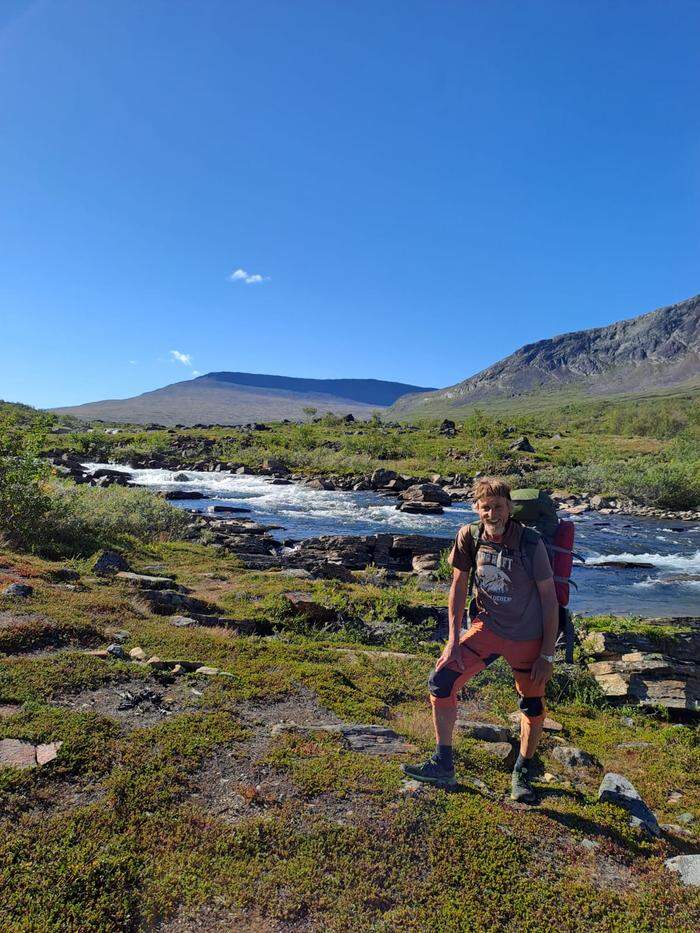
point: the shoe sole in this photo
(527, 798)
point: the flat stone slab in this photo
(371, 739)
(145, 581)
(47, 752)
(17, 754)
(688, 867)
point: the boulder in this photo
(304, 606)
(173, 494)
(109, 562)
(18, 591)
(448, 428)
(503, 752)
(272, 465)
(118, 652)
(182, 478)
(633, 668)
(484, 731)
(170, 602)
(688, 867)
(616, 789)
(425, 563)
(426, 492)
(320, 483)
(522, 444)
(420, 508)
(47, 752)
(381, 477)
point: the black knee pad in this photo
(532, 706)
(440, 683)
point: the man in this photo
(515, 616)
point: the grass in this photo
(348, 850)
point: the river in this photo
(670, 586)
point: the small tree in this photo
(310, 411)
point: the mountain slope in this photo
(238, 398)
(654, 351)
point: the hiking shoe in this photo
(431, 772)
(521, 789)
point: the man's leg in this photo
(521, 657)
(445, 684)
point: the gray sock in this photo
(522, 763)
(443, 756)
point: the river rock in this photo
(173, 494)
(420, 508)
(687, 866)
(616, 789)
(425, 563)
(426, 492)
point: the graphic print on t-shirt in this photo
(493, 575)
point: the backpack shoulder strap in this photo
(529, 540)
(475, 532)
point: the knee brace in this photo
(440, 683)
(532, 707)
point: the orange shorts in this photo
(481, 647)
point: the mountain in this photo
(653, 352)
(239, 398)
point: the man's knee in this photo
(441, 684)
(532, 707)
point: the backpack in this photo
(536, 511)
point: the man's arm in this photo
(541, 669)
(455, 604)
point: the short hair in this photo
(491, 486)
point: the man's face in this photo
(494, 512)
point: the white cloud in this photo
(183, 358)
(250, 278)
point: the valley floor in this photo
(218, 780)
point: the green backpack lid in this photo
(535, 508)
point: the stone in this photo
(170, 602)
(420, 508)
(273, 465)
(182, 621)
(208, 671)
(175, 494)
(144, 581)
(426, 492)
(549, 725)
(590, 844)
(504, 752)
(109, 562)
(448, 428)
(686, 818)
(18, 591)
(598, 502)
(181, 478)
(523, 444)
(304, 606)
(17, 754)
(370, 739)
(572, 757)
(121, 636)
(116, 651)
(688, 867)
(663, 671)
(381, 477)
(9, 709)
(320, 483)
(616, 789)
(137, 654)
(485, 731)
(47, 752)
(64, 575)
(425, 563)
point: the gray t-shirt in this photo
(506, 596)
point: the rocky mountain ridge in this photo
(657, 350)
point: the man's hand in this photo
(542, 670)
(452, 653)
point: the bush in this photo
(82, 519)
(23, 499)
(666, 485)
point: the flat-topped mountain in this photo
(654, 351)
(239, 398)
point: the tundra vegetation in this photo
(176, 801)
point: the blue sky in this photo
(412, 190)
